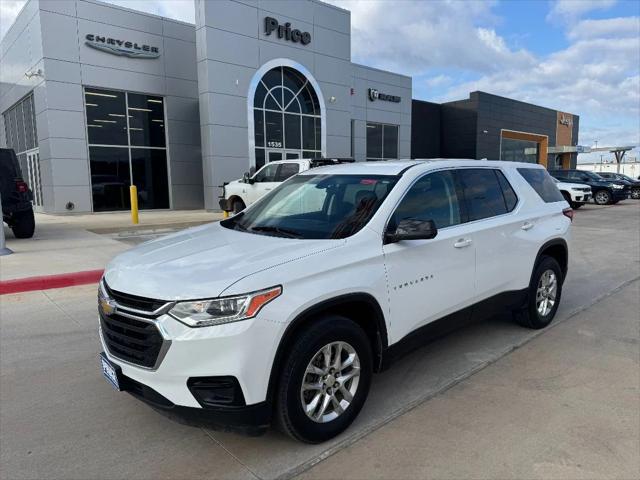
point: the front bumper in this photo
(621, 194)
(242, 351)
(247, 419)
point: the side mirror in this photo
(412, 229)
(246, 178)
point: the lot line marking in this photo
(350, 440)
(46, 282)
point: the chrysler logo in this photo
(121, 47)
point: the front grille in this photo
(134, 341)
(133, 301)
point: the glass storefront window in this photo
(286, 116)
(106, 117)
(146, 120)
(382, 141)
(149, 169)
(512, 150)
(110, 178)
(127, 143)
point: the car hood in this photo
(571, 185)
(204, 261)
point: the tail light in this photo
(22, 186)
(568, 212)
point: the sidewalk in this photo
(565, 405)
(74, 243)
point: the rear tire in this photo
(238, 206)
(545, 292)
(575, 205)
(300, 414)
(23, 224)
(602, 197)
(635, 193)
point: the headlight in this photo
(576, 189)
(216, 311)
(617, 187)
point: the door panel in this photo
(490, 202)
(429, 279)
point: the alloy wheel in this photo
(330, 382)
(546, 292)
(602, 197)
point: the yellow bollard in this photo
(133, 191)
(225, 214)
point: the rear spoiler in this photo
(321, 162)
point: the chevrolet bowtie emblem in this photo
(106, 306)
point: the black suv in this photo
(604, 191)
(17, 210)
(635, 184)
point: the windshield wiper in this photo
(281, 231)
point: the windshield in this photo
(316, 207)
(593, 176)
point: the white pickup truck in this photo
(239, 194)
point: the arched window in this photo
(287, 117)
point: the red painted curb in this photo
(46, 282)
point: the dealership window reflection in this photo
(513, 150)
(116, 123)
(382, 141)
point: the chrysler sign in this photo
(123, 48)
(374, 95)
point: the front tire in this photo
(635, 193)
(325, 380)
(602, 197)
(238, 206)
(545, 291)
(23, 224)
(575, 205)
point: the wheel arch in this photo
(359, 307)
(557, 249)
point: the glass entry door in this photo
(274, 155)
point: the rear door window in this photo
(542, 183)
(482, 193)
(510, 197)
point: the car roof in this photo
(396, 167)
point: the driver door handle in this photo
(462, 242)
(527, 226)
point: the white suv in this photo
(285, 310)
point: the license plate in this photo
(109, 372)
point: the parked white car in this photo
(239, 194)
(576, 194)
(283, 312)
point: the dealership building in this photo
(96, 97)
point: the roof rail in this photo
(319, 162)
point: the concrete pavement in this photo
(60, 419)
(564, 406)
(71, 243)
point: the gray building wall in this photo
(364, 110)
(51, 35)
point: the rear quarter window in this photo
(542, 183)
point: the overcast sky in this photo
(580, 56)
